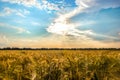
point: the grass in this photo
(59, 64)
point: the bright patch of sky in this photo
(60, 23)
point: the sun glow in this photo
(60, 28)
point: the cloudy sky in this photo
(60, 23)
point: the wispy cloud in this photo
(4, 42)
(28, 3)
(96, 5)
(18, 29)
(63, 25)
(6, 11)
(60, 42)
(3, 38)
(49, 6)
(42, 5)
(9, 11)
(35, 23)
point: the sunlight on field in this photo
(59, 64)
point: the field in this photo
(59, 64)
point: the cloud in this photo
(3, 38)
(99, 3)
(20, 14)
(60, 42)
(42, 5)
(35, 24)
(3, 41)
(49, 6)
(27, 3)
(96, 5)
(8, 11)
(18, 29)
(63, 25)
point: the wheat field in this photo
(59, 64)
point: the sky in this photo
(60, 23)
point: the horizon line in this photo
(24, 48)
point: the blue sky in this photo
(60, 23)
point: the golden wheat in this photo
(59, 65)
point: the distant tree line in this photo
(16, 48)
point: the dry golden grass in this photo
(59, 64)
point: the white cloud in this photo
(63, 26)
(25, 11)
(3, 38)
(85, 3)
(43, 4)
(35, 23)
(96, 5)
(28, 3)
(49, 6)
(90, 5)
(20, 14)
(18, 29)
(8, 11)
(4, 41)
(60, 42)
